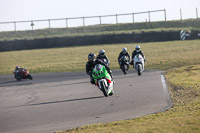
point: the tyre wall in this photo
(93, 40)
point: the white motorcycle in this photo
(139, 64)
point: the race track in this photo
(60, 101)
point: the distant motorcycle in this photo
(103, 80)
(124, 64)
(22, 74)
(139, 64)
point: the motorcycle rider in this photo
(102, 55)
(18, 70)
(92, 61)
(124, 52)
(135, 52)
(99, 72)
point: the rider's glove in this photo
(110, 71)
(89, 73)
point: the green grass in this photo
(159, 55)
(183, 117)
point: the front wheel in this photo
(29, 77)
(139, 70)
(104, 90)
(18, 78)
(111, 93)
(124, 68)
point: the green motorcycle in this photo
(103, 80)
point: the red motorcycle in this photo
(22, 74)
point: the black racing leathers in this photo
(122, 54)
(103, 57)
(135, 52)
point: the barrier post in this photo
(100, 19)
(83, 21)
(15, 26)
(66, 23)
(32, 24)
(133, 17)
(116, 19)
(165, 15)
(49, 24)
(149, 16)
(181, 14)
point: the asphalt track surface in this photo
(60, 101)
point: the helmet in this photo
(99, 71)
(91, 57)
(98, 67)
(137, 48)
(124, 50)
(102, 52)
(17, 67)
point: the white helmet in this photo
(102, 52)
(124, 50)
(137, 48)
(17, 67)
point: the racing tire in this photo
(111, 94)
(29, 77)
(104, 90)
(124, 68)
(139, 70)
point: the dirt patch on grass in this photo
(181, 95)
(190, 69)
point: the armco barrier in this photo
(56, 42)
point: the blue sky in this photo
(20, 10)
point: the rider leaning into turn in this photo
(18, 69)
(135, 52)
(102, 55)
(92, 61)
(122, 53)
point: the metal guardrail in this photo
(84, 18)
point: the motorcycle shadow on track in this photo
(84, 82)
(14, 83)
(70, 100)
(7, 82)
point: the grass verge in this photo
(159, 55)
(183, 117)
